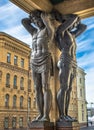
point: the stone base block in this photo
(64, 125)
(41, 125)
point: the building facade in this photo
(17, 94)
(16, 99)
(82, 104)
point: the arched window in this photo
(14, 121)
(7, 100)
(15, 81)
(29, 86)
(29, 102)
(6, 122)
(22, 83)
(21, 122)
(7, 80)
(14, 100)
(21, 101)
(29, 119)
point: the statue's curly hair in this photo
(36, 13)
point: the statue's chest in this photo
(40, 34)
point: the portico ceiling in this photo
(54, 2)
(84, 8)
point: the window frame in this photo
(14, 122)
(15, 82)
(15, 60)
(14, 101)
(7, 80)
(6, 120)
(22, 62)
(8, 57)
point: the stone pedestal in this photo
(64, 125)
(41, 126)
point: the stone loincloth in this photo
(42, 63)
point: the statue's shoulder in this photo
(43, 32)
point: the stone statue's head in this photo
(35, 13)
(35, 17)
(57, 15)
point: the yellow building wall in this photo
(13, 46)
(82, 106)
(18, 48)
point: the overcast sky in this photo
(10, 22)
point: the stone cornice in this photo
(14, 45)
(5, 35)
(29, 5)
(86, 13)
(13, 68)
(16, 48)
(84, 8)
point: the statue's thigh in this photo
(36, 78)
(45, 78)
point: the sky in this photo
(10, 23)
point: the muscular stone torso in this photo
(40, 41)
(41, 57)
(68, 47)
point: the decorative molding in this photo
(14, 45)
(16, 48)
(14, 68)
(0, 74)
(3, 89)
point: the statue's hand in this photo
(45, 16)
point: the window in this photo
(14, 122)
(6, 122)
(21, 122)
(14, 100)
(80, 80)
(8, 57)
(15, 60)
(21, 102)
(15, 82)
(29, 119)
(29, 102)
(22, 62)
(7, 100)
(29, 86)
(82, 115)
(81, 92)
(22, 83)
(82, 107)
(7, 80)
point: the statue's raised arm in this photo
(27, 23)
(47, 22)
(79, 29)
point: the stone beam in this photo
(29, 5)
(84, 8)
(86, 13)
